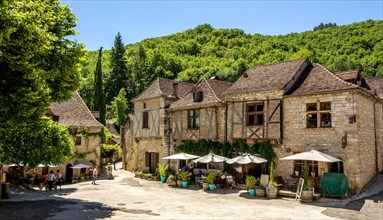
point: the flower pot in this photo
(212, 186)
(252, 192)
(296, 173)
(184, 184)
(205, 186)
(313, 174)
(271, 192)
(179, 183)
(163, 179)
(260, 192)
(172, 183)
(307, 195)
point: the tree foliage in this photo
(120, 107)
(99, 95)
(39, 65)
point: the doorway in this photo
(69, 173)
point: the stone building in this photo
(295, 105)
(85, 132)
(146, 132)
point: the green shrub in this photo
(162, 169)
(172, 177)
(183, 176)
(211, 177)
(250, 182)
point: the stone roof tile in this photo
(212, 94)
(163, 87)
(266, 77)
(74, 113)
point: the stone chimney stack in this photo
(175, 89)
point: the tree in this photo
(39, 66)
(99, 95)
(120, 107)
(118, 77)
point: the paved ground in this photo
(127, 197)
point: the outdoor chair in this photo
(198, 181)
(230, 182)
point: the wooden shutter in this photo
(145, 120)
(157, 158)
(147, 159)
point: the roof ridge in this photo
(159, 86)
(220, 81)
(212, 91)
(278, 63)
(336, 77)
(87, 109)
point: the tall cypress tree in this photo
(99, 95)
(119, 76)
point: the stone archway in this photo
(68, 173)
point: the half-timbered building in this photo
(147, 129)
(200, 113)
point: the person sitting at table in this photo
(222, 179)
(191, 173)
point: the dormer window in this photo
(197, 96)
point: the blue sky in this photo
(99, 21)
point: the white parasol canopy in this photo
(246, 159)
(181, 156)
(79, 166)
(48, 165)
(312, 155)
(211, 157)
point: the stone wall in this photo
(358, 154)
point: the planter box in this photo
(171, 183)
(272, 192)
(307, 195)
(179, 183)
(205, 186)
(260, 192)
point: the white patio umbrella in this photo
(246, 159)
(79, 166)
(180, 156)
(211, 157)
(312, 155)
(49, 165)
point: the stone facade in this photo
(359, 135)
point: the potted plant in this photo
(271, 189)
(260, 190)
(250, 183)
(162, 171)
(210, 179)
(205, 184)
(171, 181)
(307, 193)
(184, 178)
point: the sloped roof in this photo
(212, 94)
(375, 83)
(163, 87)
(267, 77)
(321, 80)
(110, 126)
(348, 75)
(74, 113)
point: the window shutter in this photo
(145, 120)
(147, 159)
(157, 158)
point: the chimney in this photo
(175, 89)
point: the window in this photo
(193, 119)
(300, 164)
(144, 105)
(254, 114)
(197, 96)
(318, 115)
(145, 120)
(78, 140)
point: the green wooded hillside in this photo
(203, 52)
